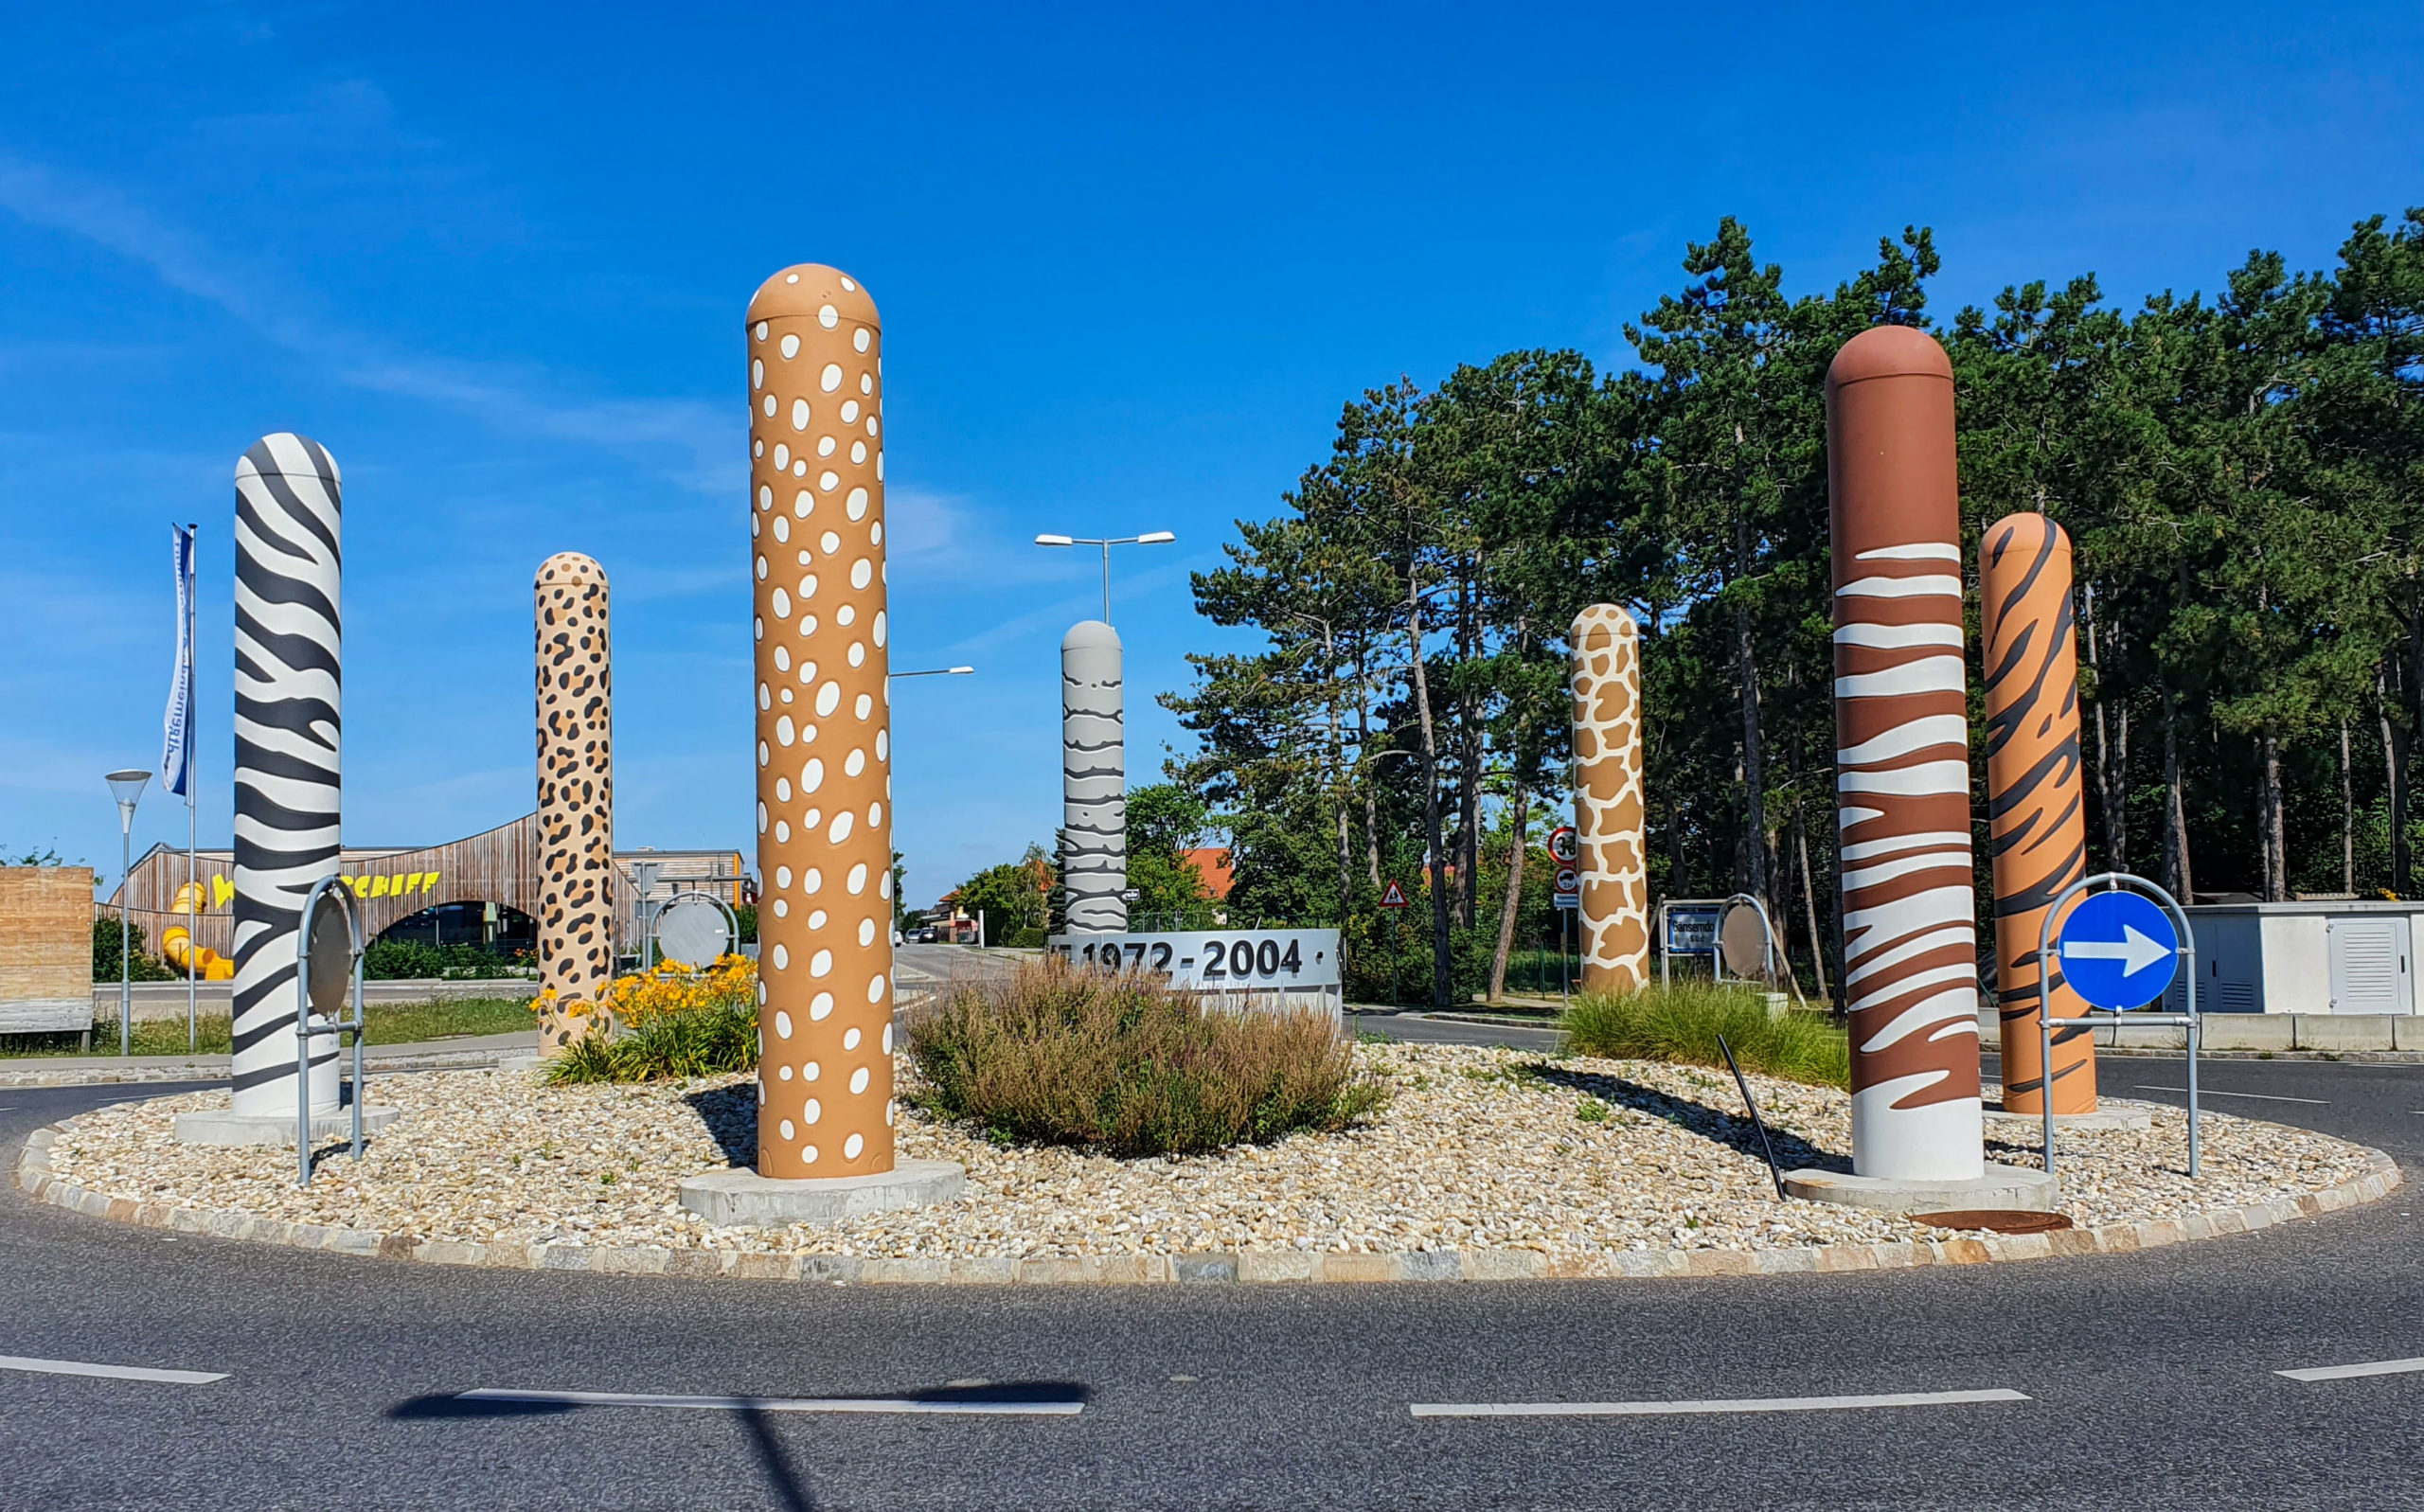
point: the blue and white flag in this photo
(176, 751)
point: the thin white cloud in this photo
(692, 443)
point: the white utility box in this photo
(2315, 957)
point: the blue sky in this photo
(494, 257)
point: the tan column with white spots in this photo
(823, 727)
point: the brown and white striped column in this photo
(1902, 760)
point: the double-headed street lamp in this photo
(1151, 538)
(936, 671)
(127, 788)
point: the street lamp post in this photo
(1151, 538)
(127, 788)
(645, 874)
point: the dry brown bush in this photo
(1120, 1062)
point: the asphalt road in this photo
(2149, 1377)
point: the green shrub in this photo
(416, 960)
(704, 1040)
(1025, 939)
(1124, 1064)
(139, 967)
(1681, 1024)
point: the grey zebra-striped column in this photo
(287, 683)
(1094, 779)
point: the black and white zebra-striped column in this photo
(287, 683)
(1094, 780)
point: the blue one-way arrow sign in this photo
(2119, 950)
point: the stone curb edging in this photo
(34, 1176)
(215, 1069)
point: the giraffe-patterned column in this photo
(288, 662)
(1902, 760)
(576, 728)
(823, 740)
(2035, 806)
(1607, 809)
(1094, 780)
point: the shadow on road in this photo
(791, 1491)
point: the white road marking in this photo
(2379, 1367)
(78, 1367)
(2260, 1096)
(776, 1404)
(1744, 1404)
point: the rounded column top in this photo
(1599, 622)
(570, 566)
(1889, 351)
(1090, 634)
(2028, 530)
(811, 290)
(284, 453)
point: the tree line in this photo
(2241, 475)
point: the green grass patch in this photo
(1123, 1064)
(390, 1023)
(704, 1040)
(1680, 1025)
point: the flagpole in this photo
(193, 892)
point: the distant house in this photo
(1211, 863)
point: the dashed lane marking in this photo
(79, 1367)
(1743, 1404)
(779, 1404)
(2378, 1367)
(2260, 1096)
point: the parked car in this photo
(926, 935)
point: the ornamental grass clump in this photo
(668, 1022)
(1121, 1063)
(1680, 1025)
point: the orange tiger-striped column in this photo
(2034, 799)
(824, 735)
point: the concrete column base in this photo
(2125, 1117)
(730, 1198)
(2003, 1186)
(220, 1127)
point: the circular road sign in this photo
(1565, 849)
(693, 931)
(1742, 939)
(328, 956)
(2119, 950)
(1567, 880)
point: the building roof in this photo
(1212, 863)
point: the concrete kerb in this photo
(35, 1178)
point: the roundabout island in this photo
(1481, 1163)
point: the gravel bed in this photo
(1478, 1148)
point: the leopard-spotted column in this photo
(1614, 868)
(823, 736)
(575, 796)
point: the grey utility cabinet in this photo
(2315, 957)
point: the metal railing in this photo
(2047, 1023)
